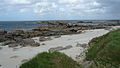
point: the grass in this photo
(105, 50)
(51, 60)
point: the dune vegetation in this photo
(105, 50)
(51, 60)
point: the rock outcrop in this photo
(20, 42)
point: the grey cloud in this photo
(112, 6)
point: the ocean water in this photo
(28, 25)
(22, 25)
(18, 25)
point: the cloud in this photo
(23, 10)
(83, 7)
(96, 3)
(18, 1)
(111, 5)
(64, 8)
(43, 7)
(68, 1)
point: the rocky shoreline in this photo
(23, 38)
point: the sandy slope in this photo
(12, 58)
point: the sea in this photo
(28, 25)
(18, 25)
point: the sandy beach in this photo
(14, 57)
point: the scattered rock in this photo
(57, 36)
(3, 38)
(18, 39)
(73, 30)
(67, 47)
(86, 64)
(14, 57)
(81, 45)
(44, 38)
(9, 36)
(35, 44)
(43, 43)
(25, 60)
(17, 31)
(20, 42)
(13, 45)
(8, 42)
(51, 50)
(59, 48)
(28, 41)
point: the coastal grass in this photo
(105, 50)
(51, 60)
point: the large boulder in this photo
(44, 38)
(18, 40)
(35, 44)
(8, 42)
(2, 38)
(2, 32)
(16, 33)
(8, 35)
(14, 45)
(28, 41)
(32, 33)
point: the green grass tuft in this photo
(51, 60)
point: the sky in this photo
(19, 10)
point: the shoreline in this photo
(13, 57)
